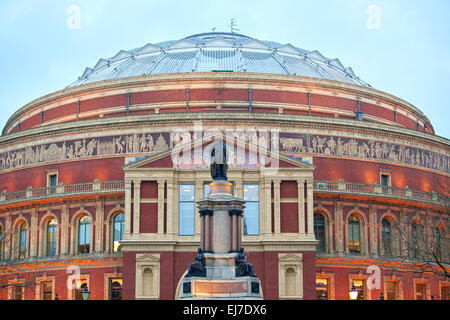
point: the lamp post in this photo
(381, 296)
(86, 293)
(56, 296)
(353, 293)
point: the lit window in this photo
(84, 235)
(319, 231)
(115, 289)
(391, 290)
(322, 289)
(354, 236)
(386, 236)
(23, 241)
(47, 290)
(79, 289)
(119, 222)
(51, 238)
(359, 286)
(251, 211)
(187, 210)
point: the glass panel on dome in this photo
(261, 62)
(174, 62)
(301, 67)
(218, 60)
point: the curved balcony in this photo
(95, 188)
(103, 188)
(342, 187)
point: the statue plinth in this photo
(220, 270)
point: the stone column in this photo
(99, 222)
(310, 206)
(8, 254)
(301, 206)
(220, 236)
(276, 206)
(161, 184)
(136, 206)
(198, 191)
(170, 206)
(64, 229)
(266, 216)
(128, 186)
(373, 230)
(339, 228)
(34, 243)
(207, 217)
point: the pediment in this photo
(252, 153)
(290, 257)
(147, 258)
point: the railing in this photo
(342, 187)
(337, 187)
(94, 187)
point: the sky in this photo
(401, 47)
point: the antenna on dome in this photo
(233, 25)
(213, 29)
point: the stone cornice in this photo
(250, 79)
(238, 118)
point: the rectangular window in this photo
(52, 183)
(186, 225)
(47, 290)
(445, 293)
(359, 286)
(18, 292)
(391, 290)
(421, 291)
(251, 211)
(115, 289)
(322, 289)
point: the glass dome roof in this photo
(215, 52)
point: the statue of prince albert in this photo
(219, 165)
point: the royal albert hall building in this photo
(356, 198)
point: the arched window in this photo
(51, 238)
(147, 282)
(84, 235)
(22, 240)
(386, 235)
(319, 232)
(118, 227)
(354, 235)
(291, 289)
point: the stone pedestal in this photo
(220, 270)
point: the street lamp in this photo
(381, 296)
(56, 296)
(85, 293)
(353, 293)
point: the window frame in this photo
(88, 239)
(352, 225)
(258, 213)
(191, 216)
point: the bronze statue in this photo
(219, 165)
(197, 268)
(243, 268)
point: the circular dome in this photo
(219, 52)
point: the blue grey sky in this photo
(401, 47)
